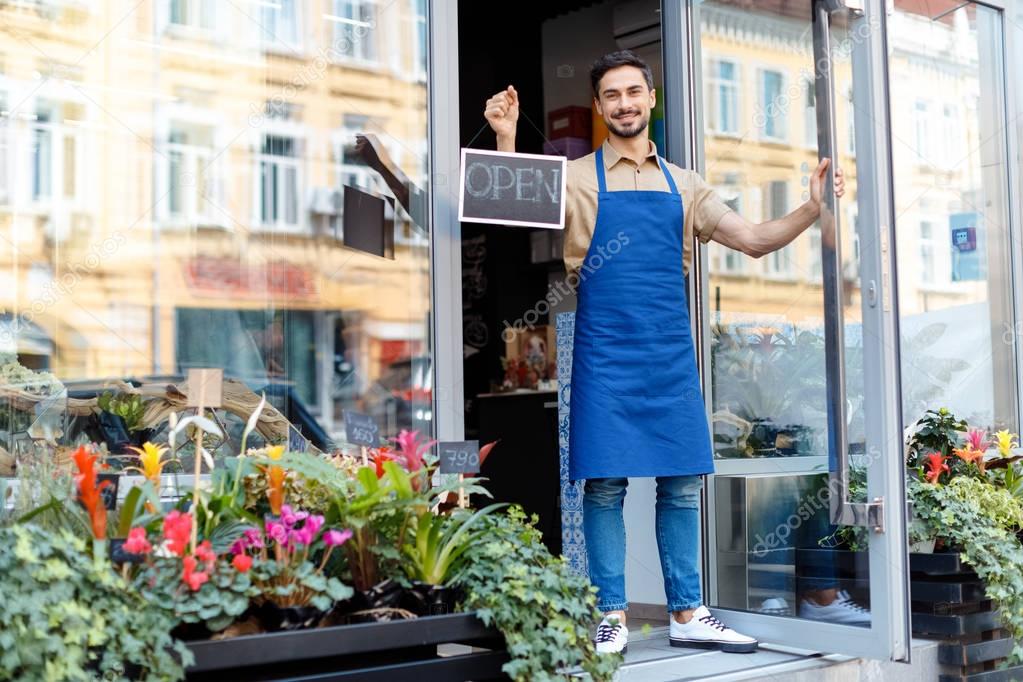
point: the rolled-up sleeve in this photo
(706, 209)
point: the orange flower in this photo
(275, 488)
(381, 455)
(89, 491)
(969, 455)
(936, 466)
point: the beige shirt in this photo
(702, 208)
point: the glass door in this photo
(805, 536)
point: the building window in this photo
(192, 187)
(809, 113)
(850, 113)
(723, 259)
(723, 97)
(776, 204)
(922, 126)
(772, 113)
(422, 38)
(355, 22)
(196, 14)
(5, 153)
(279, 182)
(928, 253)
(56, 152)
(280, 21)
(815, 273)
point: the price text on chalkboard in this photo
(459, 457)
(360, 429)
(512, 189)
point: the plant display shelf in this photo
(949, 604)
(392, 650)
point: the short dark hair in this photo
(613, 60)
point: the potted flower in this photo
(291, 589)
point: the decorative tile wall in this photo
(572, 544)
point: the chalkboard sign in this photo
(109, 492)
(360, 429)
(459, 457)
(512, 189)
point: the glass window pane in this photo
(183, 207)
(951, 207)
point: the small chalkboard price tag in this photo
(459, 457)
(506, 188)
(360, 429)
(109, 492)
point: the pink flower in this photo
(204, 552)
(412, 450)
(276, 531)
(242, 563)
(314, 523)
(137, 542)
(336, 538)
(253, 538)
(975, 437)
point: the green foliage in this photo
(129, 407)
(299, 585)
(217, 603)
(67, 616)
(222, 514)
(439, 542)
(982, 521)
(541, 606)
(937, 431)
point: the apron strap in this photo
(599, 160)
(602, 180)
(667, 176)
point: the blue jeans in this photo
(678, 518)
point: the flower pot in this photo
(922, 546)
(274, 617)
(424, 599)
(370, 606)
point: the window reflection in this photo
(172, 190)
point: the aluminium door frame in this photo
(888, 636)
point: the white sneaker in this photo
(843, 611)
(704, 631)
(775, 606)
(612, 636)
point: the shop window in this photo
(422, 38)
(723, 97)
(724, 260)
(928, 253)
(355, 29)
(772, 106)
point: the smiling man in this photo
(637, 406)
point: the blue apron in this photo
(636, 404)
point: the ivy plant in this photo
(542, 607)
(69, 616)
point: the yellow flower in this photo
(1006, 442)
(152, 461)
(274, 452)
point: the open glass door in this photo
(805, 537)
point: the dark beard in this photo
(643, 123)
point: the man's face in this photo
(625, 101)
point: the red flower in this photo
(177, 531)
(242, 562)
(204, 552)
(137, 542)
(89, 491)
(191, 577)
(381, 455)
(935, 465)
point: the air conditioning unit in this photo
(637, 24)
(326, 201)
